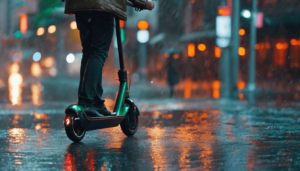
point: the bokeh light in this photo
(51, 29)
(73, 25)
(201, 47)
(70, 58)
(40, 31)
(36, 56)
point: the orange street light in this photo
(40, 31)
(143, 25)
(23, 23)
(242, 32)
(201, 47)
(191, 50)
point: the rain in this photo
(149, 85)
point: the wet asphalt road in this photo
(212, 137)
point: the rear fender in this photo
(74, 109)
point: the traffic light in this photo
(224, 10)
(246, 13)
(122, 25)
(23, 23)
(143, 33)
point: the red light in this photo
(224, 10)
(23, 23)
(67, 121)
(122, 23)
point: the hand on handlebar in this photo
(150, 5)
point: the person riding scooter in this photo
(95, 21)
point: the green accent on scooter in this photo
(76, 108)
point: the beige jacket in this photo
(116, 7)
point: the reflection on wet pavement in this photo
(167, 140)
(15, 84)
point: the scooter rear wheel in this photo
(73, 129)
(130, 123)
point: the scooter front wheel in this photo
(73, 129)
(130, 123)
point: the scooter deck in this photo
(92, 123)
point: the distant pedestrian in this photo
(173, 76)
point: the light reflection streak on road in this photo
(15, 85)
(157, 149)
(42, 126)
(198, 122)
(36, 94)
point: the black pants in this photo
(96, 31)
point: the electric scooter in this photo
(125, 112)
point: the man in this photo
(95, 21)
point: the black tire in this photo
(130, 123)
(73, 129)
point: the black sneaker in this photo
(92, 112)
(104, 111)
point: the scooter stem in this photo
(120, 47)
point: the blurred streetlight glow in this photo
(246, 13)
(176, 56)
(241, 85)
(14, 68)
(242, 32)
(48, 62)
(217, 52)
(294, 42)
(70, 58)
(216, 85)
(201, 47)
(23, 23)
(122, 23)
(282, 46)
(73, 25)
(257, 46)
(143, 36)
(36, 69)
(40, 31)
(51, 29)
(36, 56)
(143, 25)
(242, 51)
(191, 50)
